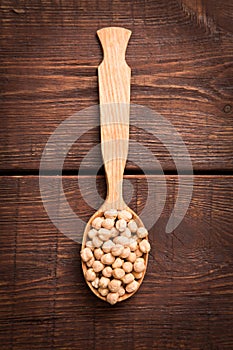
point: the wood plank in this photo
(180, 69)
(184, 302)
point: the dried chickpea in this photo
(133, 245)
(121, 225)
(92, 233)
(132, 287)
(114, 232)
(107, 246)
(90, 275)
(132, 226)
(137, 275)
(97, 266)
(124, 241)
(128, 278)
(127, 266)
(132, 257)
(98, 253)
(104, 234)
(111, 213)
(142, 232)
(89, 263)
(107, 259)
(112, 298)
(117, 250)
(97, 222)
(97, 242)
(126, 233)
(107, 271)
(114, 285)
(108, 223)
(103, 282)
(118, 273)
(86, 254)
(117, 263)
(124, 214)
(125, 253)
(103, 291)
(139, 265)
(138, 253)
(121, 291)
(89, 244)
(95, 283)
(144, 246)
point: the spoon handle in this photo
(114, 95)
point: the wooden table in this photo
(181, 59)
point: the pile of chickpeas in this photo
(114, 254)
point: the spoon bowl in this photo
(100, 213)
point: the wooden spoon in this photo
(114, 94)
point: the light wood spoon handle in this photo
(114, 96)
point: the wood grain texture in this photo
(209, 14)
(185, 301)
(180, 68)
(114, 97)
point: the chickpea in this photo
(121, 225)
(95, 283)
(107, 246)
(98, 253)
(97, 242)
(86, 254)
(142, 232)
(107, 259)
(124, 214)
(144, 246)
(118, 273)
(132, 257)
(133, 245)
(107, 271)
(89, 263)
(97, 266)
(92, 233)
(90, 275)
(112, 298)
(104, 234)
(132, 226)
(137, 275)
(114, 285)
(103, 291)
(114, 232)
(89, 244)
(125, 253)
(138, 253)
(121, 291)
(124, 241)
(111, 213)
(126, 233)
(117, 263)
(127, 266)
(132, 287)
(108, 223)
(128, 278)
(117, 250)
(139, 265)
(97, 223)
(103, 282)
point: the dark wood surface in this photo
(180, 53)
(181, 68)
(185, 301)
